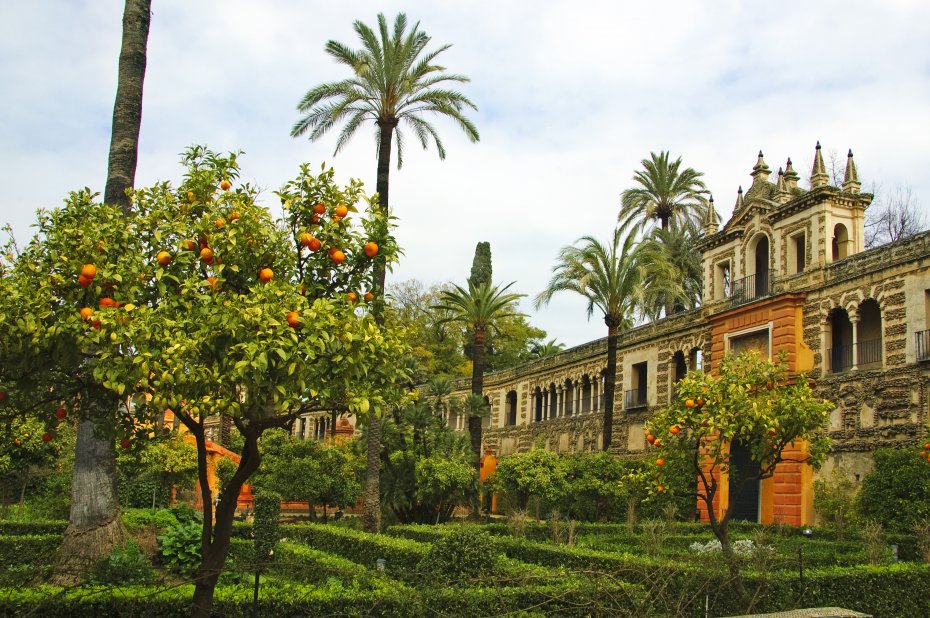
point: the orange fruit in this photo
(336, 218)
(86, 313)
(315, 219)
(660, 462)
(106, 301)
(234, 216)
(651, 439)
(266, 275)
(220, 222)
(47, 437)
(674, 429)
(95, 324)
(319, 208)
(659, 488)
(342, 211)
(293, 319)
(206, 254)
(369, 296)
(658, 442)
(190, 195)
(352, 297)
(84, 281)
(61, 413)
(225, 185)
(700, 401)
(211, 281)
(163, 257)
(338, 256)
(927, 446)
(89, 271)
(124, 443)
(371, 248)
(689, 403)
(188, 245)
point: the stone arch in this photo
(839, 242)
(511, 408)
(569, 395)
(868, 326)
(553, 408)
(839, 340)
(537, 405)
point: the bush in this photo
(403, 555)
(265, 528)
(17, 528)
(465, 553)
(897, 492)
(185, 513)
(125, 565)
(36, 550)
(137, 519)
(180, 547)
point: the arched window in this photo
(840, 242)
(680, 369)
(839, 341)
(869, 335)
(538, 404)
(486, 420)
(585, 394)
(512, 408)
(553, 401)
(569, 397)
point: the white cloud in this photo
(571, 98)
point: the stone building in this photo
(788, 272)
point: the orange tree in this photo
(750, 401)
(217, 308)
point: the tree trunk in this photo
(610, 380)
(722, 532)
(95, 526)
(215, 546)
(477, 388)
(371, 496)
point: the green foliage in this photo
(186, 514)
(148, 471)
(225, 469)
(402, 555)
(481, 267)
(180, 547)
(138, 519)
(597, 486)
(835, 499)
(126, 564)
(306, 470)
(426, 467)
(897, 492)
(265, 527)
(748, 401)
(538, 473)
(465, 553)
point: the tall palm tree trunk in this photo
(478, 359)
(94, 526)
(371, 496)
(610, 380)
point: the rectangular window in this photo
(722, 280)
(756, 340)
(797, 253)
(636, 397)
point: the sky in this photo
(570, 96)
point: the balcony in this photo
(635, 398)
(922, 346)
(750, 288)
(868, 355)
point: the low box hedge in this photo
(295, 562)
(32, 528)
(35, 549)
(401, 554)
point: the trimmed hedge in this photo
(296, 562)
(32, 528)
(29, 549)
(401, 554)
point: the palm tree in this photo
(665, 193)
(609, 278)
(542, 350)
(94, 525)
(478, 307)
(671, 268)
(393, 80)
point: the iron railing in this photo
(867, 354)
(923, 345)
(635, 398)
(750, 288)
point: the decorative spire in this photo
(781, 189)
(760, 171)
(791, 177)
(851, 182)
(711, 222)
(819, 177)
(739, 200)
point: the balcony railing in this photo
(868, 354)
(750, 288)
(635, 398)
(923, 345)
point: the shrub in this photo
(137, 519)
(17, 528)
(897, 492)
(465, 553)
(185, 513)
(125, 565)
(265, 528)
(403, 555)
(180, 547)
(835, 500)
